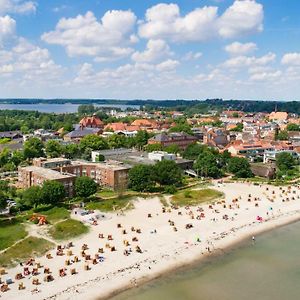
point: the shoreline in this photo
(246, 210)
(201, 259)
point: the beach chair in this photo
(19, 276)
(49, 256)
(100, 250)
(35, 281)
(73, 271)
(21, 286)
(4, 288)
(8, 281)
(2, 271)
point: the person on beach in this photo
(253, 239)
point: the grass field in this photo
(22, 251)
(10, 233)
(67, 229)
(110, 205)
(195, 197)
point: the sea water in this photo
(268, 269)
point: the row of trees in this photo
(53, 192)
(147, 178)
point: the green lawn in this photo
(67, 229)
(110, 205)
(22, 251)
(10, 233)
(56, 214)
(195, 197)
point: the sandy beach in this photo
(245, 211)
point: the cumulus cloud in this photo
(237, 48)
(243, 17)
(192, 56)
(291, 59)
(264, 76)
(26, 61)
(155, 50)
(17, 6)
(163, 21)
(249, 61)
(107, 39)
(7, 29)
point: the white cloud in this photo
(243, 17)
(249, 61)
(168, 65)
(163, 21)
(291, 59)
(264, 76)
(17, 6)
(155, 50)
(192, 56)
(27, 62)
(237, 48)
(107, 39)
(7, 29)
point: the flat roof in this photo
(48, 173)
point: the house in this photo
(77, 134)
(249, 148)
(279, 117)
(182, 140)
(121, 128)
(91, 122)
(12, 135)
(216, 137)
(146, 124)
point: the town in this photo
(63, 174)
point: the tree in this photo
(17, 157)
(167, 173)
(116, 141)
(141, 178)
(206, 165)
(4, 157)
(182, 127)
(172, 149)
(53, 148)
(282, 135)
(86, 109)
(240, 167)
(193, 151)
(238, 128)
(153, 147)
(141, 139)
(33, 147)
(292, 127)
(3, 201)
(93, 142)
(85, 186)
(52, 192)
(71, 151)
(285, 161)
(31, 197)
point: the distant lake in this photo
(59, 108)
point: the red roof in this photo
(93, 121)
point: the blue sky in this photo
(128, 49)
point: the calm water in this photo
(58, 108)
(269, 270)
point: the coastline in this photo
(201, 258)
(166, 251)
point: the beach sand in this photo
(165, 250)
